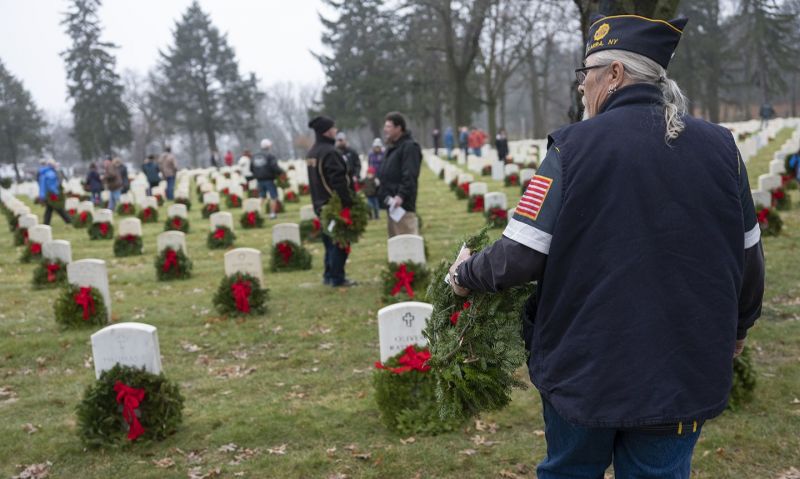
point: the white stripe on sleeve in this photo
(751, 237)
(529, 236)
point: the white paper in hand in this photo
(331, 226)
(396, 213)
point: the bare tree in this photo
(146, 125)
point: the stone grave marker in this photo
(57, 250)
(478, 188)
(211, 197)
(769, 182)
(244, 260)
(497, 171)
(103, 216)
(171, 239)
(28, 221)
(286, 232)
(251, 204)
(465, 178)
(511, 169)
(130, 226)
(777, 167)
(126, 344)
(178, 210)
(406, 248)
(761, 199)
(150, 201)
(307, 213)
(400, 325)
(91, 272)
(221, 218)
(495, 200)
(71, 203)
(525, 175)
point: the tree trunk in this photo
(211, 137)
(502, 101)
(536, 99)
(16, 165)
(460, 99)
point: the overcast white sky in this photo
(272, 38)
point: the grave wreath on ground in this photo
(38, 235)
(149, 212)
(310, 225)
(241, 291)
(475, 343)
(769, 221)
(477, 192)
(496, 206)
(185, 201)
(131, 399)
(780, 200)
(251, 217)
(52, 270)
(291, 197)
(221, 235)
(288, 253)
(85, 300)
(126, 208)
(102, 225)
(345, 225)
(282, 181)
(233, 200)
(210, 203)
(55, 200)
(129, 242)
(24, 223)
(177, 219)
(172, 261)
(406, 275)
(303, 189)
(83, 218)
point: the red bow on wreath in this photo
(129, 238)
(72, 212)
(778, 195)
(147, 213)
(53, 197)
(465, 188)
(454, 317)
(404, 280)
(762, 215)
(345, 215)
(103, 228)
(241, 294)
(176, 222)
(36, 248)
(25, 235)
(290, 196)
(499, 213)
(251, 218)
(170, 260)
(126, 207)
(478, 203)
(234, 200)
(83, 216)
(412, 360)
(84, 299)
(513, 180)
(316, 225)
(130, 398)
(285, 251)
(52, 269)
(219, 234)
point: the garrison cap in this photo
(655, 39)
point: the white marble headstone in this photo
(252, 204)
(206, 188)
(777, 167)
(127, 344)
(27, 221)
(762, 199)
(171, 239)
(307, 213)
(87, 206)
(221, 218)
(211, 197)
(91, 272)
(71, 203)
(511, 168)
(286, 232)
(178, 210)
(103, 216)
(497, 171)
(244, 260)
(526, 174)
(478, 188)
(406, 248)
(769, 182)
(57, 250)
(125, 198)
(465, 178)
(400, 325)
(150, 201)
(130, 226)
(40, 234)
(495, 200)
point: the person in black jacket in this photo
(350, 157)
(501, 144)
(399, 175)
(264, 168)
(327, 174)
(152, 172)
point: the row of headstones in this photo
(768, 182)
(490, 199)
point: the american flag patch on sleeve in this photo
(531, 202)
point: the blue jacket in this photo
(449, 140)
(48, 181)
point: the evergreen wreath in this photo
(348, 223)
(251, 219)
(221, 238)
(780, 200)
(304, 189)
(176, 223)
(159, 199)
(311, 230)
(241, 294)
(511, 180)
(209, 209)
(290, 256)
(126, 209)
(103, 230)
(453, 184)
(769, 221)
(82, 220)
(486, 170)
(11, 218)
(72, 212)
(148, 215)
(441, 174)
(744, 380)
(173, 264)
(79, 306)
(405, 392)
(475, 342)
(788, 182)
(107, 415)
(49, 273)
(184, 201)
(279, 208)
(233, 201)
(282, 181)
(496, 218)
(20, 236)
(31, 252)
(127, 245)
(291, 197)
(55, 200)
(475, 204)
(253, 194)
(399, 278)
(462, 191)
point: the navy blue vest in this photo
(637, 313)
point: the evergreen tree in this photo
(198, 88)
(101, 118)
(21, 124)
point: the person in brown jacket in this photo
(113, 181)
(169, 168)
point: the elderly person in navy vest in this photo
(640, 230)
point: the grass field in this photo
(289, 394)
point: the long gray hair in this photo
(641, 69)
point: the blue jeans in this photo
(374, 206)
(578, 452)
(113, 199)
(170, 187)
(335, 258)
(267, 186)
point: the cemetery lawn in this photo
(289, 394)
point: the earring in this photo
(612, 89)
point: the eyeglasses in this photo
(580, 73)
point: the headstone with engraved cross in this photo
(400, 325)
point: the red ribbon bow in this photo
(130, 398)
(103, 228)
(72, 212)
(84, 299)
(478, 203)
(126, 207)
(404, 280)
(345, 215)
(176, 222)
(465, 188)
(36, 248)
(285, 251)
(241, 294)
(315, 223)
(762, 215)
(412, 360)
(52, 269)
(53, 197)
(454, 317)
(147, 213)
(129, 238)
(84, 215)
(251, 218)
(778, 194)
(234, 200)
(305, 189)
(219, 233)
(513, 180)
(170, 260)
(290, 196)
(499, 213)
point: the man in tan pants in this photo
(399, 175)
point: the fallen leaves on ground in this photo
(165, 463)
(233, 372)
(189, 347)
(7, 395)
(30, 428)
(538, 433)
(479, 440)
(34, 471)
(278, 450)
(468, 452)
(197, 473)
(792, 473)
(490, 427)
(410, 440)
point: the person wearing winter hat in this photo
(370, 188)
(350, 156)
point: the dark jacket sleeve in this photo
(752, 293)
(502, 265)
(335, 171)
(410, 164)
